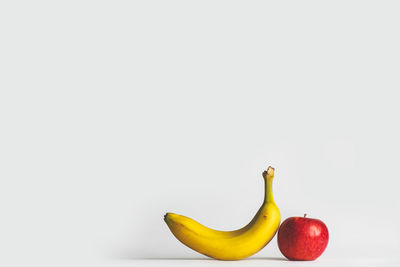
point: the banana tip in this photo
(269, 172)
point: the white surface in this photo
(115, 112)
(262, 262)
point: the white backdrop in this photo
(115, 112)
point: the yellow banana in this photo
(230, 245)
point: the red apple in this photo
(302, 239)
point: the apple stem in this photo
(305, 215)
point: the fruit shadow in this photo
(208, 259)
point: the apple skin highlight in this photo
(302, 239)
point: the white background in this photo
(115, 112)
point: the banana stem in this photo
(268, 178)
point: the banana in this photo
(230, 245)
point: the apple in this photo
(302, 239)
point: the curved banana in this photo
(230, 245)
